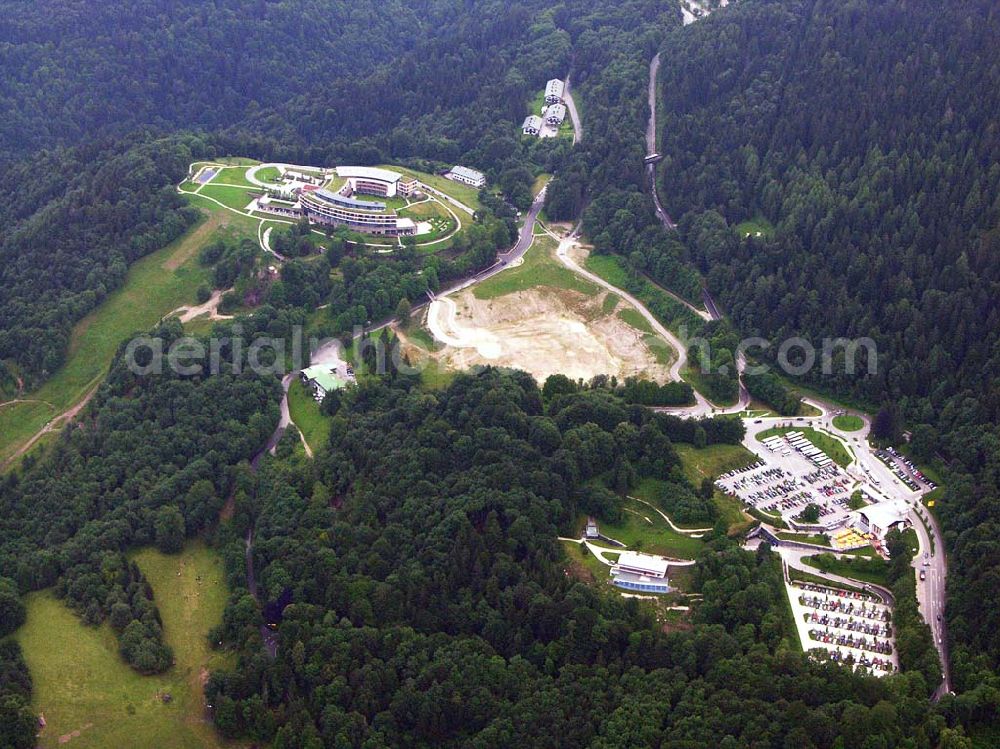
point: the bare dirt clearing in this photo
(543, 331)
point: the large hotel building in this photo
(335, 209)
(340, 208)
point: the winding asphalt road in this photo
(931, 592)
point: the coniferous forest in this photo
(879, 167)
(410, 590)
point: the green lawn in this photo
(866, 569)
(586, 567)
(767, 517)
(634, 318)
(269, 174)
(804, 538)
(566, 128)
(540, 181)
(610, 303)
(730, 510)
(422, 338)
(756, 225)
(609, 267)
(154, 285)
(693, 376)
(537, 103)
(437, 377)
(832, 446)
(236, 161)
(235, 175)
(237, 198)
(653, 536)
(304, 410)
(236, 218)
(802, 389)
(463, 193)
(848, 422)
(613, 270)
(806, 410)
(424, 210)
(539, 268)
(82, 684)
(395, 202)
(807, 577)
(712, 461)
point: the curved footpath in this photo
(693, 532)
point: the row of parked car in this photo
(909, 464)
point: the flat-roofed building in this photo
(532, 125)
(288, 208)
(407, 187)
(644, 573)
(555, 114)
(294, 176)
(642, 564)
(332, 209)
(553, 91)
(370, 180)
(467, 176)
(322, 379)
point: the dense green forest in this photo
(877, 163)
(422, 599)
(107, 68)
(74, 220)
(151, 462)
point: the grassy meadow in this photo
(540, 268)
(91, 699)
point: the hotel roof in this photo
(368, 172)
(364, 205)
(464, 171)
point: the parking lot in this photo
(786, 480)
(904, 469)
(852, 628)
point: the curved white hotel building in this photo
(334, 209)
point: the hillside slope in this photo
(867, 134)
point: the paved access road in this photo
(574, 116)
(883, 484)
(654, 68)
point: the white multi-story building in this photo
(532, 125)
(370, 180)
(555, 114)
(553, 91)
(333, 209)
(467, 176)
(641, 572)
